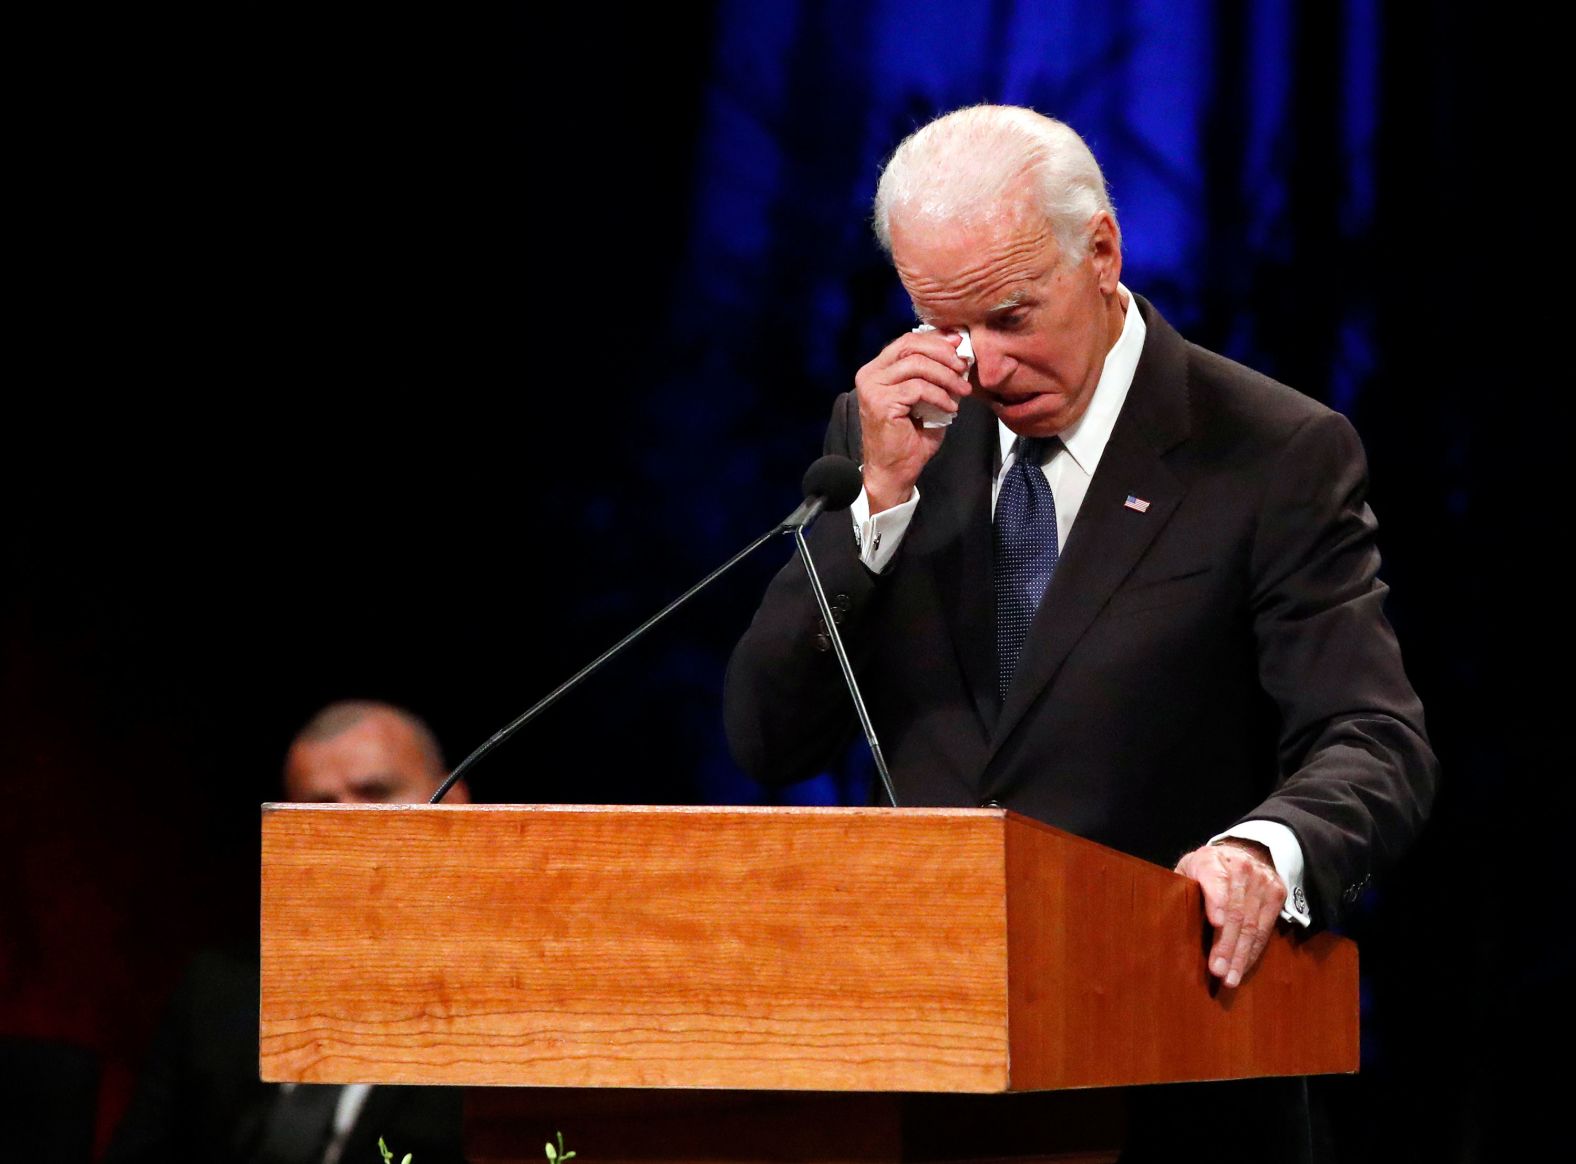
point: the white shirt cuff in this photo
(1286, 853)
(878, 536)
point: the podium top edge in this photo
(671, 809)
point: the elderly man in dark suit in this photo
(1100, 576)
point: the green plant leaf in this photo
(552, 1152)
(388, 1157)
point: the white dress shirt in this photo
(352, 1098)
(1068, 470)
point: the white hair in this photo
(965, 166)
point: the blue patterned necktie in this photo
(1025, 551)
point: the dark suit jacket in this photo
(1221, 656)
(199, 1098)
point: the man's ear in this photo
(1105, 251)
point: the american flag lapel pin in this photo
(1137, 503)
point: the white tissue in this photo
(928, 414)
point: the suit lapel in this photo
(1109, 538)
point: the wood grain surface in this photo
(599, 947)
(757, 949)
(1109, 985)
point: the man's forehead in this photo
(985, 290)
(377, 742)
(984, 266)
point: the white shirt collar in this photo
(1085, 439)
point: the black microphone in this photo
(831, 484)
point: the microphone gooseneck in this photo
(828, 479)
(829, 620)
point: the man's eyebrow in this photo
(1011, 299)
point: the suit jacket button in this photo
(992, 804)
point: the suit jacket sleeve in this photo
(1357, 774)
(785, 706)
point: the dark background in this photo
(388, 355)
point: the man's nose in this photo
(991, 362)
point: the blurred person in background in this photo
(199, 1097)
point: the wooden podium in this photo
(763, 983)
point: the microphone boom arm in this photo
(848, 670)
(832, 483)
(574, 680)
